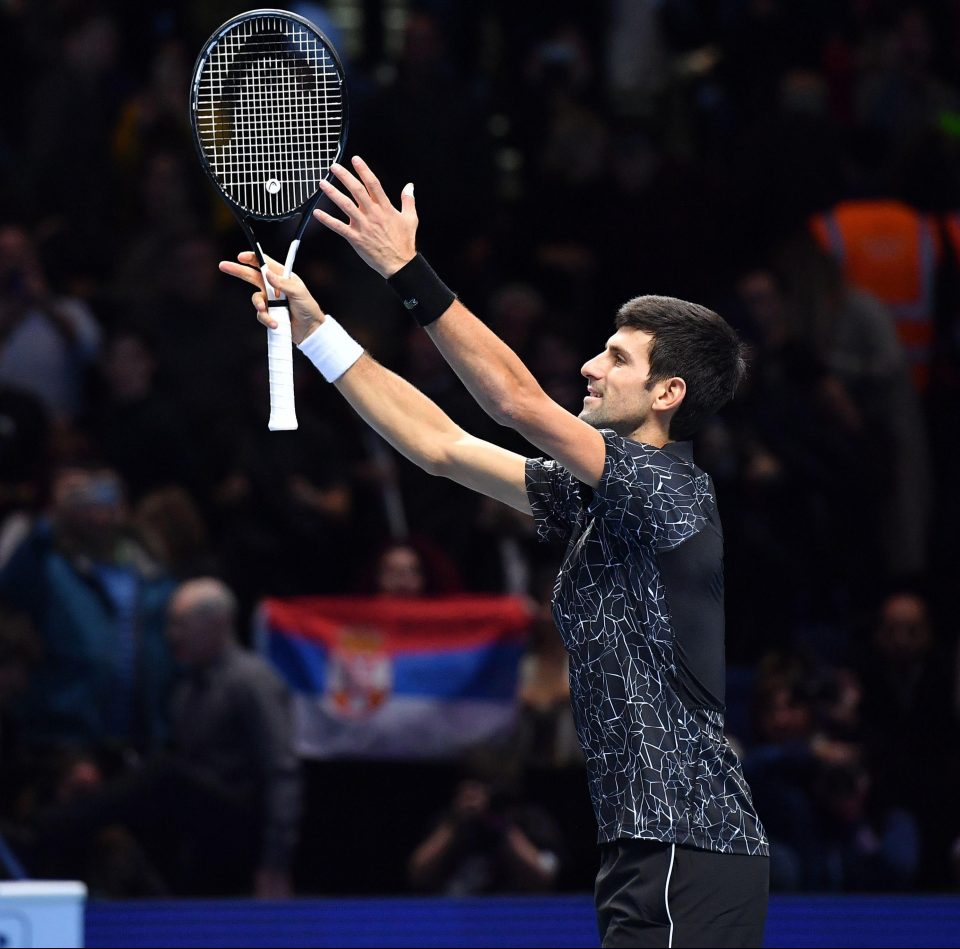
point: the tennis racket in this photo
(268, 106)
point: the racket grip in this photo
(283, 413)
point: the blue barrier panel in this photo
(863, 921)
(494, 921)
(899, 921)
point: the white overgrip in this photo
(283, 412)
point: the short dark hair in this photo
(695, 344)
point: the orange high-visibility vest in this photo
(890, 250)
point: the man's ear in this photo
(670, 395)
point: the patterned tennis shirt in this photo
(639, 604)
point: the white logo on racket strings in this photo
(272, 185)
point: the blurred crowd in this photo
(794, 166)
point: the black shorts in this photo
(654, 894)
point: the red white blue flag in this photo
(379, 677)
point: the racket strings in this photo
(269, 116)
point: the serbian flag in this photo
(378, 677)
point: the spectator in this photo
(24, 438)
(110, 860)
(413, 568)
(438, 508)
(868, 383)
(135, 425)
(233, 734)
(206, 378)
(163, 210)
(783, 767)
(865, 848)
(98, 603)
(220, 813)
(546, 735)
(783, 489)
(891, 250)
(906, 695)
(505, 554)
(154, 113)
(898, 95)
(426, 95)
(47, 343)
(400, 572)
(289, 491)
(489, 841)
(72, 104)
(516, 314)
(173, 530)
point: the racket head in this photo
(269, 113)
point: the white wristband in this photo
(331, 349)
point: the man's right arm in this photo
(493, 374)
(423, 433)
(413, 424)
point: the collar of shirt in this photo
(682, 450)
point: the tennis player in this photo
(639, 597)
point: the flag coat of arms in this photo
(396, 677)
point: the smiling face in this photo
(618, 394)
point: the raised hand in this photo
(305, 312)
(384, 237)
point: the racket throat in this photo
(273, 297)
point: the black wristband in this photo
(423, 293)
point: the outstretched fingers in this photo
(248, 269)
(353, 185)
(249, 272)
(334, 223)
(338, 198)
(370, 180)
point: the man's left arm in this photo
(495, 376)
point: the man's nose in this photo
(590, 369)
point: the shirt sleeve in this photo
(554, 496)
(648, 496)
